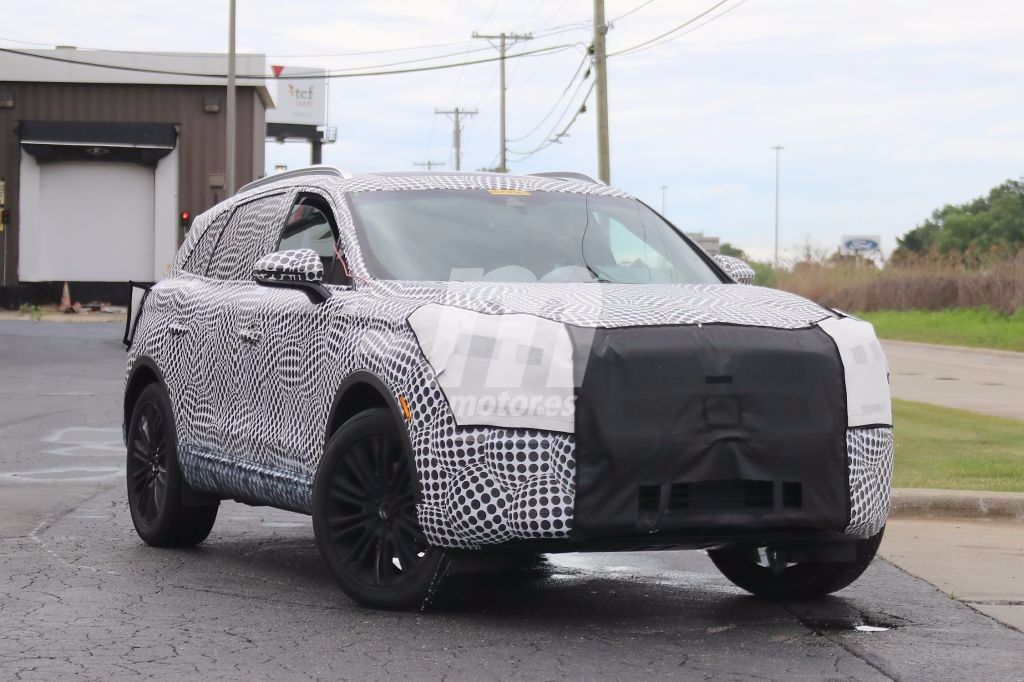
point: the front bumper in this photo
(694, 436)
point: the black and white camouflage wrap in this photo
(253, 375)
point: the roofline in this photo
(298, 172)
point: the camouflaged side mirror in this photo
(735, 268)
(295, 269)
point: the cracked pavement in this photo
(82, 597)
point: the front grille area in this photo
(725, 495)
(696, 430)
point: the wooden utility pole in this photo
(457, 115)
(604, 168)
(429, 165)
(503, 41)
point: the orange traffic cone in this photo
(65, 299)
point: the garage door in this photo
(95, 224)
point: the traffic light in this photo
(186, 219)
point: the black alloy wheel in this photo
(364, 516)
(154, 479)
(147, 476)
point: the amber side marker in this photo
(405, 408)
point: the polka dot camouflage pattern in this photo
(303, 262)
(252, 370)
(870, 459)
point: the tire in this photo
(364, 517)
(804, 580)
(154, 479)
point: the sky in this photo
(886, 109)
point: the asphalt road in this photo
(81, 596)
(976, 379)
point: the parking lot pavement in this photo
(976, 379)
(81, 596)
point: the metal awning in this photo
(142, 143)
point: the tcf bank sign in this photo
(300, 96)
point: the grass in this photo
(978, 327)
(938, 447)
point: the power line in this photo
(557, 101)
(678, 28)
(311, 76)
(556, 137)
(626, 14)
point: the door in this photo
(95, 224)
(284, 387)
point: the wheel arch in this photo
(363, 390)
(143, 373)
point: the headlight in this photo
(511, 370)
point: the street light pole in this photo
(778, 153)
(663, 188)
(230, 108)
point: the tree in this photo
(727, 249)
(986, 223)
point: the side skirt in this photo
(246, 482)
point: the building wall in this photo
(201, 139)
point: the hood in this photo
(621, 305)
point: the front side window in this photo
(311, 225)
(519, 236)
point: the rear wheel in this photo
(764, 571)
(364, 516)
(154, 479)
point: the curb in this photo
(919, 503)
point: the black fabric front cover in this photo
(715, 403)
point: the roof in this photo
(71, 65)
(335, 178)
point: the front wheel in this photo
(364, 516)
(772, 577)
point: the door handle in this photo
(175, 329)
(249, 336)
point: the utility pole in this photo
(456, 114)
(604, 167)
(663, 189)
(428, 164)
(778, 153)
(503, 41)
(230, 109)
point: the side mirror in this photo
(735, 268)
(294, 269)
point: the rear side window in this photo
(199, 258)
(250, 234)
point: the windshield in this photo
(519, 236)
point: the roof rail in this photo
(568, 175)
(298, 172)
